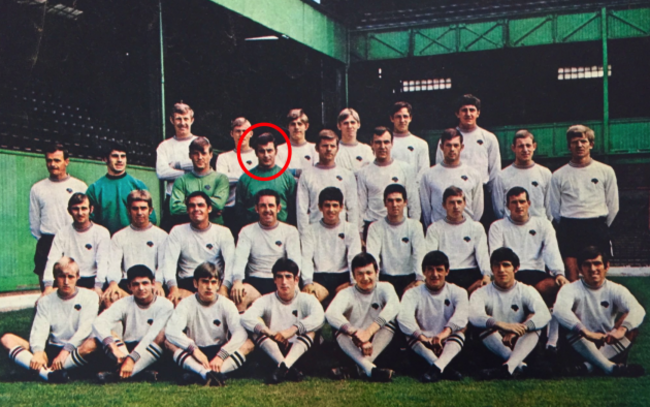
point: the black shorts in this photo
(210, 351)
(531, 277)
(52, 351)
(42, 251)
(464, 277)
(232, 221)
(573, 235)
(263, 285)
(398, 282)
(364, 234)
(331, 281)
(86, 282)
(186, 283)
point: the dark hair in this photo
(264, 139)
(521, 134)
(115, 147)
(267, 192)
(450, 134)
(328, 135)
(516, 191)
(397, 106)
(53, 148)
(392, 188)
(297, 114)
(199, 144)
(330, 194)
(182, 108)
(452, 191)
(239, 121)
(468, 99)
(207, 270)
(284, 264)
(504, 254)
(362, 260)
(591, 252)
(139, 270)
(380, 130)
(435, 258)
(202, 194)
(77, 198)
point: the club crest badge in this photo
(216, 322)
(605, 304)
(307, 158)
(209, 246)
(535, 183)
(249, 162)
(467, 238)
(69, 190)
(340, 178)
(278, 243)
(375, 306)
(150, 321)
(342, 235)
(410, 148)
(532, 232)
(395, 179)
(150, 243)
(208, 187)
(359, 158)
(515, 307)
(405, 239)
(89, 246)
(594, 181)
(480, 142)
(295, 313)
(447, 302)
(77, 307)
(464, 177)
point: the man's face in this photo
(524, 149)
(238, 131)
(349, 127)
(139, 212)
(285, 283)
(142, 289)
(518, 206)
(434, 276)
(81, 212)
(467, 115)
(395, 204)
(504, 273)
(66, 280)
(268, 210)
(207, 288)
(266, 155)
(201, 159)
(182, 124)
(365, 277)
(331, 211)
(580, 147)
(455, 206)
(56, 164)
(298, 128)
(198, 210)
(594, 271)
(382, 145)
(401, 120)
(451, 149)
(327, 150)
(116, 162)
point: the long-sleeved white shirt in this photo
(398, 248)
(168, 153)
(312, 181)
(329, 249)
(373, 179)
(353, 309)
(270, 311)
(48, 205)
(195, 324)
(62, 322)
(302, 156)
(355, 156)
(534, 242)
(491, 303)
(465, 244)
(583, 192)
(139, 324)
(535, 179)
(258, 248)
(411, 149)
(188, 247)
(426, 312)
(481, 152)
(131, 246)
(228, 164)
(580, 306)
(438, 178)
(90, 249)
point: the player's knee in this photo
(170, 347)
(160, 339)
(247, 347)
(88, 346)
(7, 340)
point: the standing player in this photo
(406, 146)
(433, 317)
(48, 204)
(352, 155)
(303, 153)
(204, 332)
(364, 319)
(202, 178)
(465, 241)
(193, 243)
(108, 194)
(63, 321)
(584, 199)
(450, 172)
(588, 310)
(325, 174)
(328, 247)
(89, 244)
(525, 173)
(172, 155)
(398, 243)
(373, 179)
(285, 322)
(511, 315)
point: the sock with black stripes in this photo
(615, 349)
(350, 349)
(21, 356)
(426, 353)
(299, 347)
(271, 348)
(151, 355)
(234, 362)
(187, 362)
(494, 342)
(525, 344)
(380, 341)
(590, 352)
(452, 347)
(74, 360)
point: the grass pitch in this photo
(19, 388)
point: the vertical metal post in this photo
(347, 68)
(603, 24)
(162, 69)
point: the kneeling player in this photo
(588, 309)
(63, 321)
(434, 318)
(363, 316)
(511, 314)
(204, 332)
(285, 322)
(142, 317)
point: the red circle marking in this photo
(241, 162)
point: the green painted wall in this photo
(21, 171)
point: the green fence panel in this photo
(435, 41)
(481, 36)
(628, 23)
(530, 31)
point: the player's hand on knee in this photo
(99, 293)
(201, 358)
(517, 329)
(509, 340)
(595, 337)
(117, 353)
(237, 293)
(126, 370)
(39, 360)
(361, 336)
(560, 280)
(215, 364)
(487, 279)
(615, 335)
(309, 289)
(159, 290)
(284, 336)
(366, 348)
(174, 295)
(57, 363)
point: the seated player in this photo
(259, 246)
(204, 332)
(328, 247)
(398, 242)
(511, 315)
(433, 317)
(63, 321)
(193, 243)
(465, 242)
(142, 318)
(284, 323)
(588, 309)
(364, 319)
